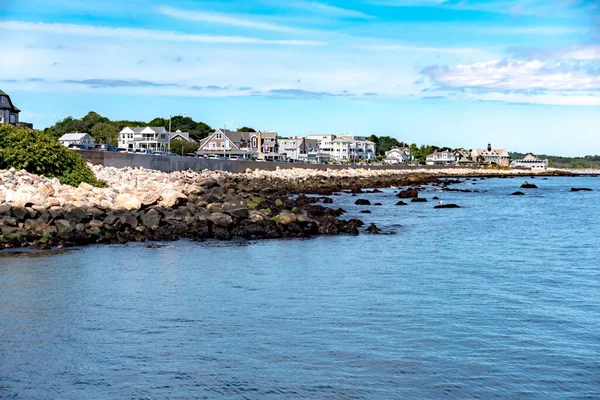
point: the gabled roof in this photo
(144, 129)
(73, 136)
(10, 104)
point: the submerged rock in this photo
(581, 189)
(419, 200)
(517, 194)
(447, 206)
(362, 202)
(408, 193)
(401, 203)
(528, 185)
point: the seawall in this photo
(170, 164)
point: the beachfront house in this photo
(77, 139)
(299, 148)
(9, 113)
(244, 144)
(155, 138)
(442, 157)
(343, 147)
(397, 156)
(491, 156)
(530, 162)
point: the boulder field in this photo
(140, 205)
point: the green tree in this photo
(106, 133)
(245, 129)
(92, 118)
(182, 147)
(41, 154)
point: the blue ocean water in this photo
(498, 299)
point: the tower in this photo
(489, 147)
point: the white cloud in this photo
(540, 82)
(326, 9)
(143, 34)
(225, 19)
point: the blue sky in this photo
(523, 74)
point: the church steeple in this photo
(489, 147)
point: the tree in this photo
(92, 118)
(183, 147)
(245, 129)
(105, 133)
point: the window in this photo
(2, 99)
(12, 118)
(219, 136)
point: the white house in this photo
(155, 138)
(299, 148)
(530, 162)
(398, 156)
(443, 157)
(77, 138)
(344, 147)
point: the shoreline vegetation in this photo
(148, 205)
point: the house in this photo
(299, 148)
(491, 156)
(398, 156)
(344, 147)
(530, 162)
(246, 144)
(155, 138)
(325, 141)
(360, 148)
(77, 139)
(9, 113)
(182, 136)
(463, 156)
(443, 157)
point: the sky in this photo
(520, 74)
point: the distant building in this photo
(77, 139)
(530, 162)
(398, 156)
(9, 113)
(299, 148)
(444, 157)
(182, 136)
(344, 147)
(155, 138)
(491, 156)
(246, 144)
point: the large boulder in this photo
(220, 219)
(128, 202)
(528, 185)
(149, 199)
(362, 202)
(62, 226)
(151, 219)
(408, 193)
(172, 198)
(419, 200)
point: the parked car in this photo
(192, 155)
(143, 151)
(160, 153)
(106, 147)
(122, 150)
(74, 146)
(173, 155)
(215, 157)
(234, 158)
(131, 151)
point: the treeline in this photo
(103, 130)
(591, 162)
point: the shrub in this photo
(38, 153)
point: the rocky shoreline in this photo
(148, 205)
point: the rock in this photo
(581, 189)
(365, 211)
(517, 194)
(20, 212)
(377, 204)
(220, 219)
(286, 217)
(326, 200)
(419, 200)
(447, 206)
(128, 219)
(62, 226)
(408, 193)
(362, 202)
(151, 219)
(128, 202)
(528, 185)
(401, 203)
(435, 198)
(373, 229)
(172, 199)
(47, 190)
(85, 186)
(237, 212)
(150, 199)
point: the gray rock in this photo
(151, 219)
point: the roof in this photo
(139, 129)
(5, 106)
(72, 136)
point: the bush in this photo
(38, 153)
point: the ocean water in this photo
(498, 299)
